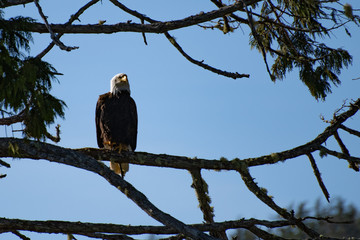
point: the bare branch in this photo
(339, 155)
(261, 194)
(164, 160)
(37, 150)
(71, 20)
(172, 40)
(318, 176)
(263, 234)
(53, 37)
(5, 164)
(55, 138)
(88, 228)
(202, 193)
(345, 151)
(349, 130)
(257, 39)
(8, 3)
(13, 119)
(158, 27)
(21, 236)
(201, 64)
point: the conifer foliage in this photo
(25, 82)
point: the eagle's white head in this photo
(119, 83)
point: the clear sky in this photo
(183, 110)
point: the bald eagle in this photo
(116, 120)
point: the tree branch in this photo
(13, 119)
(172, 40)
(345, 151)
(55, 39)
(261, 193)
(9, 3)
(37, 150)
(179, 162)
(158, 27)
(21, 236)
(318, 176)
(200, 63)
(80, 228)
(349, 130)
(355, 160)
(202, 193)
(71, 20)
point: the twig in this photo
(318, 176)
(261, 194)
(201, 64)
(21, 236)
(172, 40)
(143, 34)
(339, 155)
(349, 130)
(226, 27)
(53, 37)
(257, 39)
(55, 138)
(345, 151)
(5, 164)
(202, 193)
(71, 20)
(263, 234)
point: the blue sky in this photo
(183, 110)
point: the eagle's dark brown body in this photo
(116, 120)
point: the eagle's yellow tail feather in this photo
(121, 168)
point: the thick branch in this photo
(13, 119)
(158, 27)
(180, 162)
(8, 3)
(38, 150)
(86, 228)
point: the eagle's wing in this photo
(134, 125)
(98, 111)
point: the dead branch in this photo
(13, 119)
(172, 40)
(71, 20)
(60, 44)
(8, 3)
(349, 130)
(202, 193)
(318, 176)
(158, 27)
(78, 228)
(37, 150)
(261, 194)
